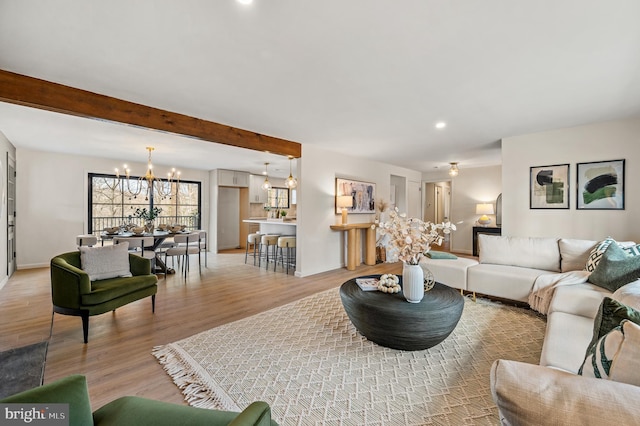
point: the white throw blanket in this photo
(545, 285)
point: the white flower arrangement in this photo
(412, 237)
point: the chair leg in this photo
(246, 254)
(153, 303)
(85, 325)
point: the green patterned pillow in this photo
(610, 315)
(597, 252)
(614, 356)
(632, 250)
(599, 359)
(615, 269)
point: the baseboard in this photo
(33, 266)
(3, 282)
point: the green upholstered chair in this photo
(135, 411)
(73, 293)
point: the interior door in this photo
(228, 218)
(11, 215)
(415, 199)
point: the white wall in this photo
(596, 142)
(472, 186)
(51, 207)
(319, 248)
(5, 148)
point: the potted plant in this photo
(148, 216)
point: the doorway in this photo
(437, 205)
(11, 215)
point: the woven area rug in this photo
(313, 368)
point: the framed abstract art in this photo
(600, 185)
(362, 193)
(549, 187)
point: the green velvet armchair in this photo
(73, 293)
(135, 411)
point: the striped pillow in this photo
(614, 357)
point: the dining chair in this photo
(186, 244)
(86, 240)
(204, 244)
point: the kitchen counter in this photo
(274, 226)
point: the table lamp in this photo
(484, 210)
(344, 202)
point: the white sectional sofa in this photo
(550, 393)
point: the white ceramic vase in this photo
(412, 283)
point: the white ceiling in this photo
(364, 77)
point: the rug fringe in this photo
(198, 391)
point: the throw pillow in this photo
(614, 356)
(600, 358)
(102, 263)
(615, 269)
(610, 314)
(597, 252)
(633, 250)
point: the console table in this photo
(353, 231)
(483, 230)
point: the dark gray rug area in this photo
(22, 368)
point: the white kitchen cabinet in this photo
(233, 178)
(256, 193)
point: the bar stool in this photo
(288, 243)
(254, 240)
(267, 241)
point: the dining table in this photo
(159, 237)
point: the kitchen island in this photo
(275, 226)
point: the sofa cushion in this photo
(101, 263)
(71, 390)
(566, 338)
(610, 315)
(574, 253)
(536, 253)
(578, 299)
(103, 291)
(615, 269)
(614, 355)
(509, 282)
(452, 272)
(528, 394)
(629, 295)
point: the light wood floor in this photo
(117, 360)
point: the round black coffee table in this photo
(389, 320)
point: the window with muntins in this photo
(113, 202)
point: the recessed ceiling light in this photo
(245, 1)
(441, 125)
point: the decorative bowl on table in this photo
(163, 227)
(138, 230)
(112, 230)
(175, 228)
